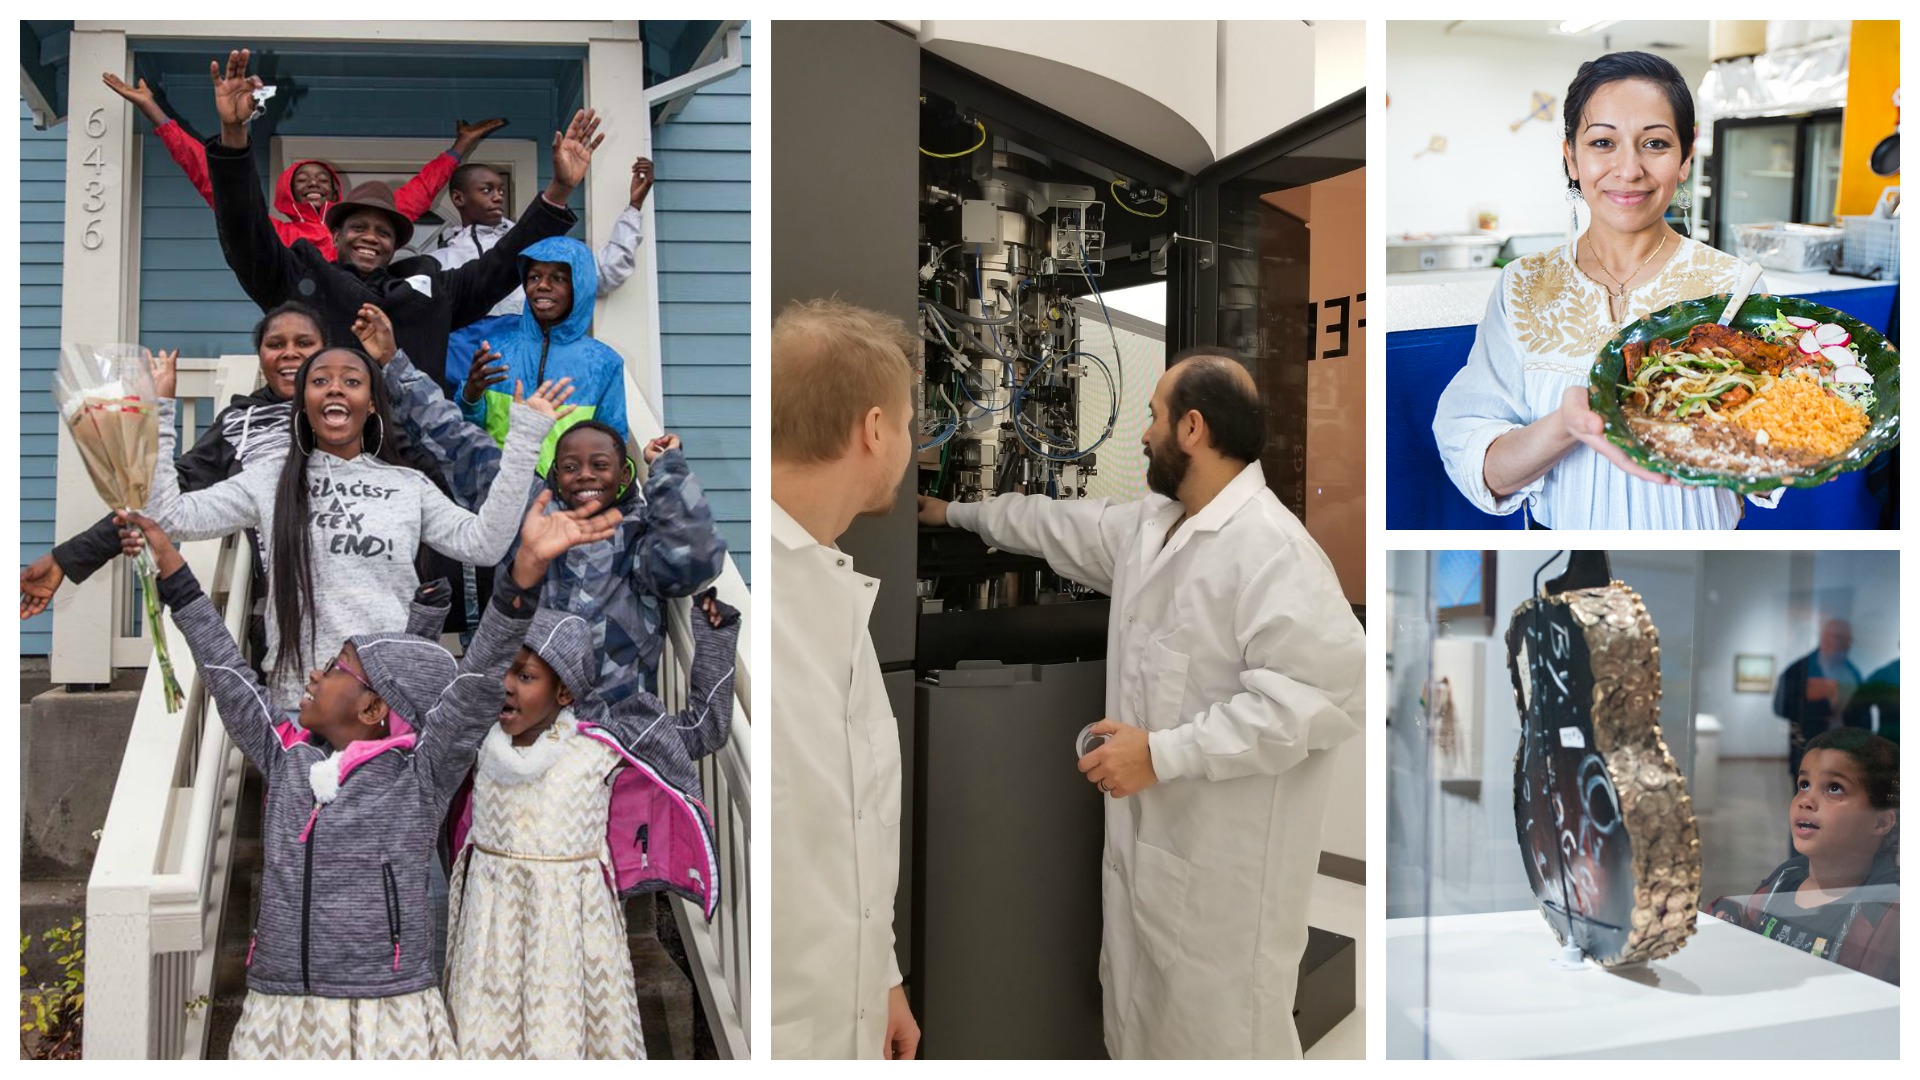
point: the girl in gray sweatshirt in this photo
(339, 518)
(341, 961)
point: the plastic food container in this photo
(1872, 246)
(1788, 247)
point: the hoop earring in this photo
(303, 445)
(373, 421)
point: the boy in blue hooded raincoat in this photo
(544, 341)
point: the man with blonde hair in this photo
(842, 440)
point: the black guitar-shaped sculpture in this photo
(1605, 824)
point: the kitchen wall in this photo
(1469, 88)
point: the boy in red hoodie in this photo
(306, 188)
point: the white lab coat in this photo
(836, 807)
(1232, 645)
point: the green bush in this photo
(50, 1014)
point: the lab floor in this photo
(1341, 906)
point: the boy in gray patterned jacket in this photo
(667, 545)
(341, 962)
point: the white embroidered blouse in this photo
(1545, 323)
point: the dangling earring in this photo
(301, 444)
(373, 421)
(1573, 208)
(1686, 199)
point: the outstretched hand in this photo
(233, 96)
(39, 580)
(467, 136)
(656, 447)
(482, 374)
(165, 367)
(375, 331)
(545, 537)
(138, 529)
(1587, 427)
(642, 182)
(550, 400)
(141, 96)
(573, 149)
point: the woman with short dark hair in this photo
(1514, 426)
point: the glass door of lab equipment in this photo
(1274, 275)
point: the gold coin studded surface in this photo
(1654, 805)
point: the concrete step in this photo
(70, 750)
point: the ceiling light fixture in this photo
(1576, 26)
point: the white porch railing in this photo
(720, 952)
(159, 882)
(160, 877)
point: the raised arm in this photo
(242, 702)
(184, 149)
(1081, 539)
(466, 454)
(681, 550)
(218, 510)
(457, 723)
(478, 285)
(482, 537)
(415, 197)
(264, 266)
(615, 260)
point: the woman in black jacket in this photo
(425, 302)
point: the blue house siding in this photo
(43, 157)
(702, 156)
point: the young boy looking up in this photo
(480, 196)
(547, 339)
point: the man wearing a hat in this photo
(424, 301)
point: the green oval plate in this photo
(1881, 360)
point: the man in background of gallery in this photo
(842, 441)
(1234, 666)
(1815, 692)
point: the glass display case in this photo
(1592, 755)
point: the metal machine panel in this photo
(846, 117)
(1007, 863)
(900, 698)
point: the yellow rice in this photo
(1796, 414)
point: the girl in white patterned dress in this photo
(1514, 428)
(537, 955)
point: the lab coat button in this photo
(839, 562)
(858, 814)
(867, 914)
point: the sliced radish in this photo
(1831, 334)
(1804, 324)
(1852, 375)
(1808, 345)
(1840, 356)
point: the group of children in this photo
(559, 780)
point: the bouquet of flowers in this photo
(106, 397)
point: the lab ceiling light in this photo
(1575, 27)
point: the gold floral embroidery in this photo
(1559, 314)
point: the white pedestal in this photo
(1493, 991)
(1704, 785)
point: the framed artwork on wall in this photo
(1752, 674)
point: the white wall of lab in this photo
(1468, 89)
(1274, 72)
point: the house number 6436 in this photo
(95, 201)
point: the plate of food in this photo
(1791, 394)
